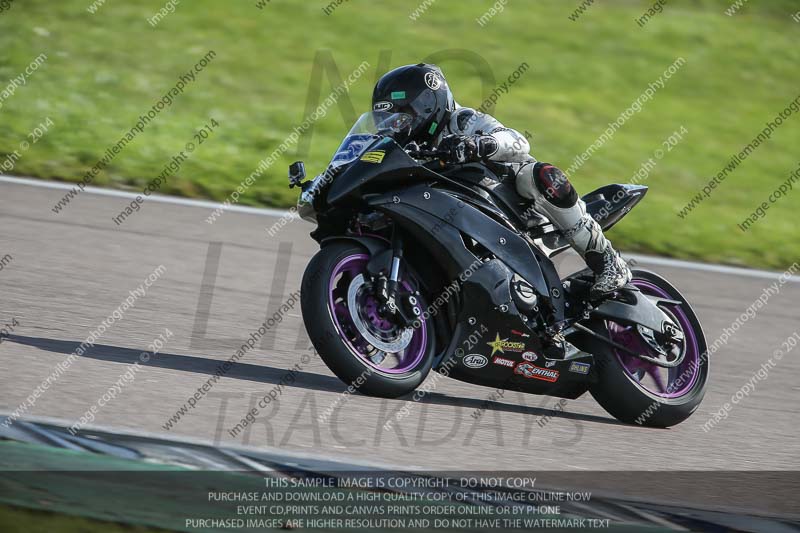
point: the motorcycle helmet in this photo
(419, 91)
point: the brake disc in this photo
(390, 342)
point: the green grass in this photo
(106, 69)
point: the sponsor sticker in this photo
(550, 364)
(529, 356)
(382, 106)
(375, 156)
(530, 371)
(398, 95)
(579, 368)
(475, 360)
(519, 333)
(502, 361)
(501, 345)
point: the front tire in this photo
(638, 392)
(338, 308)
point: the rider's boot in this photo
(611, 272)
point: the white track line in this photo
(264, 211)
(710, 267)
(278, 213)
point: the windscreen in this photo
(368, 128)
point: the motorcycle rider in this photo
(465, 135)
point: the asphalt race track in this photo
(68, 272)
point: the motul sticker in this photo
(530, 371)
(502, 361)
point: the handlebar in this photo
(418, 153)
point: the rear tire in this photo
(625, 394)
(330, 337)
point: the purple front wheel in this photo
(376, 340)
(362, 345)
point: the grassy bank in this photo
(105, 70)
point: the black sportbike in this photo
(426, 266)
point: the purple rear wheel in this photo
(640, 392)
(667, 383)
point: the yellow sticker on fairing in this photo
(376, 156)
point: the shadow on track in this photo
(269, 374)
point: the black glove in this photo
(467, 148)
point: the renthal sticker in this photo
(530, 371)
(529, 356)
(519, 333)
(432, 80)
(579, 368)
(501, 345)
(375, 156)
(382, 106)
(502, 361)
(475, 360)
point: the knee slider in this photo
(553, 184)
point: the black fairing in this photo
(496, 186)
(489, 316)
(394, 170)
(446, 217)
(444, 209)
(610, 203)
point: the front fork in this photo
(397, 303)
